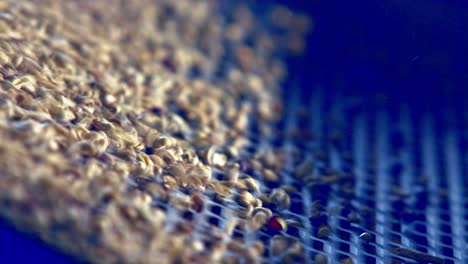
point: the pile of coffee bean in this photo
(125, 124)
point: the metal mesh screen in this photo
(387, 184)
(384, 183)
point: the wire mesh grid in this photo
(387, 184)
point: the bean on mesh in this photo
(280, 198)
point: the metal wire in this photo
(406, 179)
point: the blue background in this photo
(404, 49)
